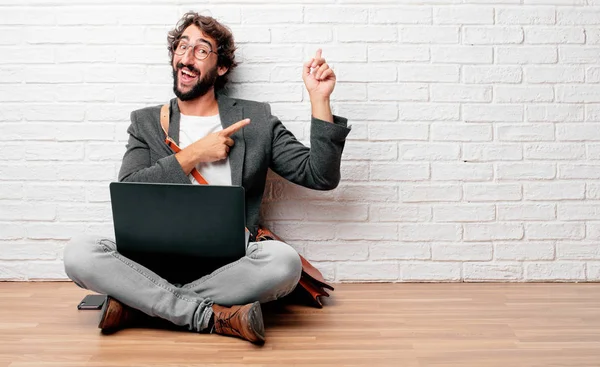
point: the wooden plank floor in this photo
(363, 325)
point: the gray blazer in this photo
(263, 144)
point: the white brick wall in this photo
(474, 154)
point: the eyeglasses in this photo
(200, 51)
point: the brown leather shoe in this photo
(116, 316)
(245, 322)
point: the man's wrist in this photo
(198, 154)
(320, 101)
(184, 161)
(321, 109)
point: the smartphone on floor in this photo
(92, 302)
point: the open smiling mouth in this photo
(186, 76)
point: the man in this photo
(231, 142)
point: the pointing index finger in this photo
(316, 59)
(235, 127)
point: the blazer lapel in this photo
(231, 113)
(174, 121)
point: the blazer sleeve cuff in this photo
(173, 169)
(338, 130)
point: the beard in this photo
(202, 86)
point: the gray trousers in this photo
(270, 270)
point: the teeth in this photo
(187, 73)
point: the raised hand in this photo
(318, 77)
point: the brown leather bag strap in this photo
(164, 118)
(164, 123)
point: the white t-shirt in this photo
(193, 128)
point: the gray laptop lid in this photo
(199, 221)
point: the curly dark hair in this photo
(212, 28)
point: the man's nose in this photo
(188, 56)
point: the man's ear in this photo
(222, 70)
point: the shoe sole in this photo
(106, 309)
(256, 322)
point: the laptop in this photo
(181, 232)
